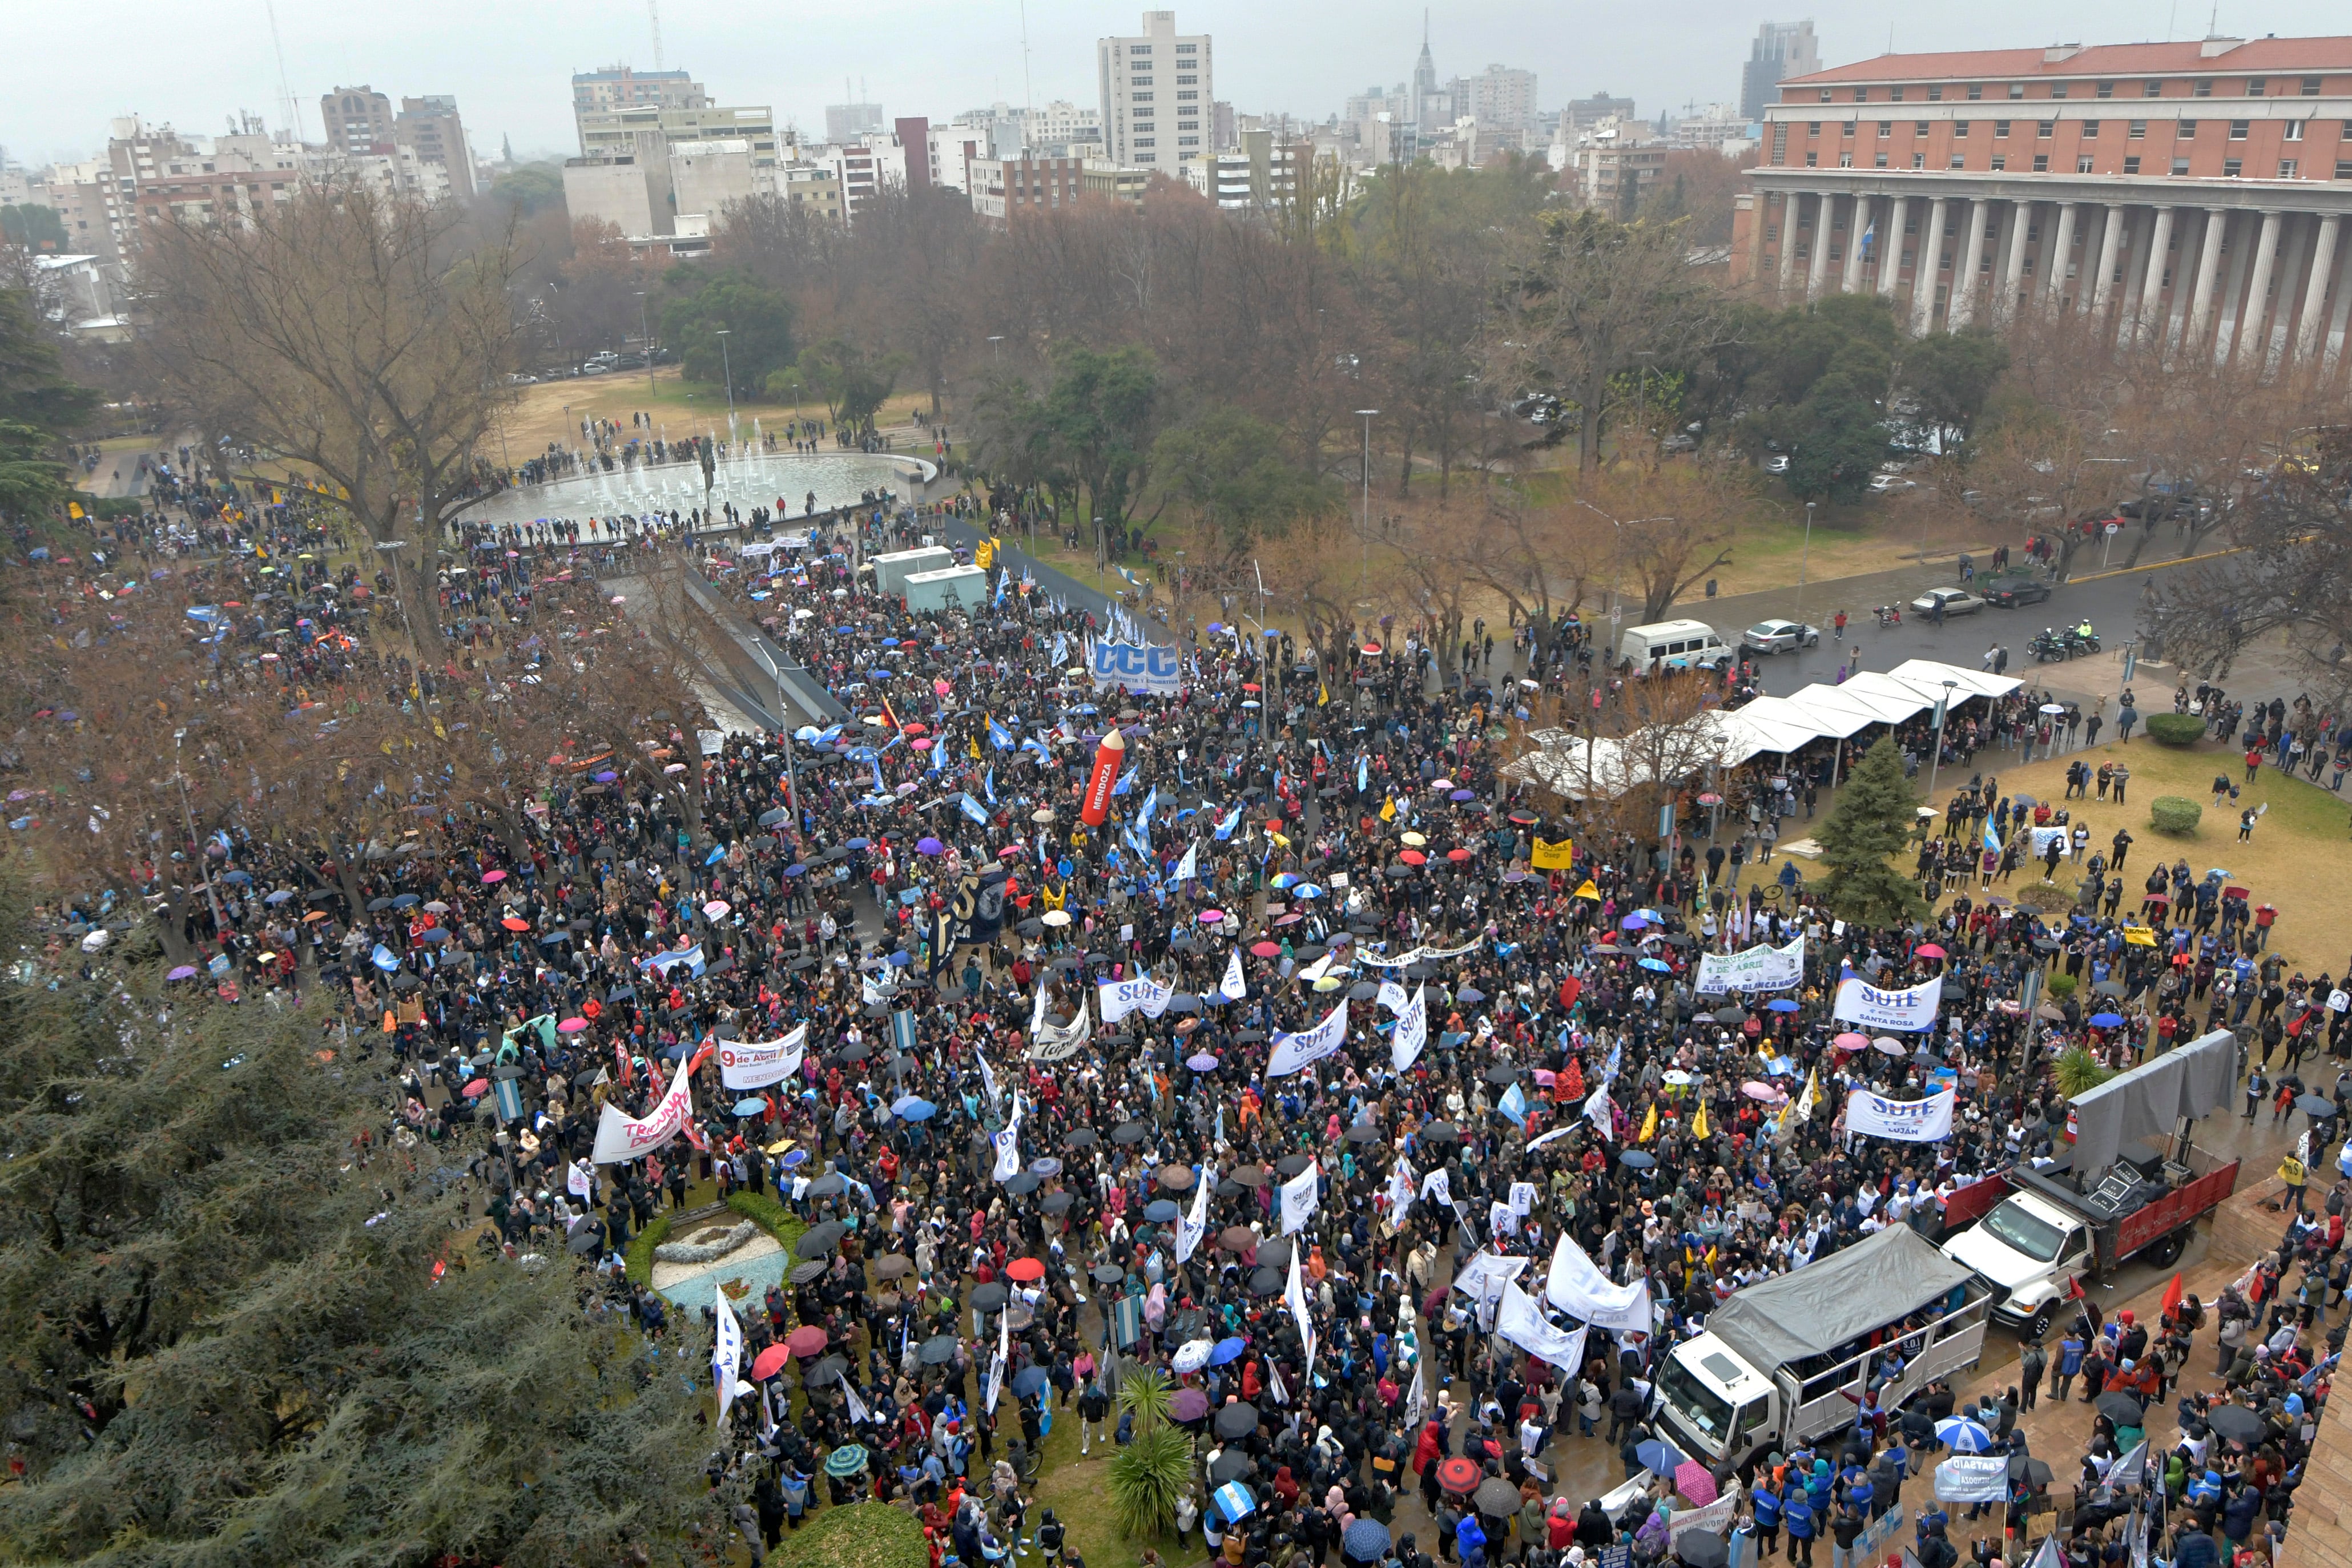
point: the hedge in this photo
(2174, 814)
(2062, 985)
(639, 1257)
(768, 1215)
(861, 1535)
(2176, 728)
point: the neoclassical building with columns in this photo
(2193, 194)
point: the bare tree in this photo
(350, 332)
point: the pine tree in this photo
(1869, 825)
(226, 1336)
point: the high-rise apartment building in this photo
(430, 126)
(619, 86)
(848, 121)
(359, 121)
(1781, 50)
(1157, 89)
(1500, 98)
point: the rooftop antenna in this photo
(1028, 95)
(653, 11)
(285, 89)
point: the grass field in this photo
(552, 410)
(2296, 860)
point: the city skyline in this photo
(510, 69)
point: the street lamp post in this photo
(1367, 415)
(1804, 559)
(645, 337)
(995, 355)
(726, 369)
(1936, 761)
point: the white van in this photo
(1678, 644)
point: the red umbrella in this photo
(1458, 854)
(769, 1361)
(479, 1086)
(1266, 950)
(1924, 950)
(1412, 857)
(1458, 1474)
(512, 923)
(1024, 1269)
(806, 1340)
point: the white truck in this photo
(1781, 1359)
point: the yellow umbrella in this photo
(1415, 840)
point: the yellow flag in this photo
(73, 510)
(1322, 694)
(1587, 891)
(1698, 1123)
(973, 744)
(983, 554)
(1554, 854)
(1388, 810)
(1649, 1126)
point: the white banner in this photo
(1518, 1320)
(1412, 1027)
(1860, 1002)
(1972, 1478)
(1579, 1288)
(621, 1137)
(1299, 1196)
(1293, 1052)
(755, 1066)
(1056, 1044)
(1121, 998)
(1483, 1275)
(1759, 968)
(1233, 987)
(1007, 1144)
(1294, 1296)
(1132, 667)
(1714, 1519)
(726, 1353)
(1191, 1228)
(1906, 1121)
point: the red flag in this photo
(2075, 1290)
(1572, 1081)
(1569, 989)
(2172, 1297)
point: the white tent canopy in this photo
(1831, 713)
(1892, 700)
(1929, 676)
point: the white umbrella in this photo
(2054, 707)
(1192, 1354)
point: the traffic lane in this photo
(2110, 603)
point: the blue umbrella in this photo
(1228, 1350)
(1965, 1436)
(860, 844)
(796, 869)
(1637, 1159)
(436, 934)
(1658, 964)
(795, 1157)
(2105, 1020)
(554, 936)
(1782, 1005)
(281, 896)
(404, 901)
(676, 1053)
(1367, 1541)
(900, 959)
(1160, 1211)
(1658, 1457)
(913, 1108)
(1469, 994)
(751, 1107)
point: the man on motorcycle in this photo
(2085, 631)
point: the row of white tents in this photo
(1578, 768)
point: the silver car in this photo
(1955, 600)
(1781, 636)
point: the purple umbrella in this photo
(1204, 1062)
(1633, 923)
(929, 847)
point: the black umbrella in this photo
(1363, 1133)
(1441, 1131)
(819, 1240)
(1702, 1549)
(2121, 1408)
(989, 1297)
(1501, 1074)
(585, 1239)
(2315, 1105)
(1107, 1274)
(823, 1371)
(1231, 1465)
(1080, 1138)
(1237, 1420)
(2033, 1472)
(1734, 1015)
(1496, 1498)
(830, 1184)
(1130, 1133)
(1291, 1165)
(813, 1269)
(1274, 1254)
(2236, 1423)
(1267, 1282)
(939, 1350)
(1024, 1184)
(1028, 1381)
(1055, 1203)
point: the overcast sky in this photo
(194, 62)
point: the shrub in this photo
(2079, 1073)
(2061, 986)
(2176, 728)
(2174, 814)
(862, 1535)
(639, 1257)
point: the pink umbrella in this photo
(1757, 1089)
(1265, 950)
(490, 876)
(1927, 950)
(924, 743)
(1694, 1482)
(806, 1340)
(479, 1086)
(1211, 916)
(1851, 1041)
(572, 1025)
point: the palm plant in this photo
(1150, 1472)
(2079, 1071)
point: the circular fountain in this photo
(782, 480)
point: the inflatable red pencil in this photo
(1096, 804)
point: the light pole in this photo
(645, 336)
(1367, 415)
(1804, 558)
(995, 355)
(726, 369)
(1936, 761)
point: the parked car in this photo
(1887, 484)
(2016, 592)
(1781, 636)
(1955, 600)
(1777, 464)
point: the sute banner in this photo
(1925, 1121)
(1914, 1009)
(1119, 998)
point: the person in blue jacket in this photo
(1767, 1503)
(1797, 1513)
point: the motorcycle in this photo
(1888, 615)
(2047, 647)
(2080, 641)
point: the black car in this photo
(2015, 593)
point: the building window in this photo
(1188, 48)
(2232, 167)
(1184, 97)
(1848, 130)
(2106, 90)
(1188, 124)
(1812, 160)
(1960, 160)
(2286, 168)
(1894, 95)
(2310, 86)
(2136, 129)
(1142, 98)
(2180, 167)
(1935, 95)
(1771, 233)
(2256, 86)
(2001, 128)
(2201, 88)
(1188, 141)
(2017, 90)
(2083, 163)
(2186, 128)
(1999, 162)
(1910, 227)
(1886, 128)
(2238, 129)
(1825, 95)
(1138, 48)
(1781, 141)
(2151, 90)
(1861, 95)
(2045, 129)
(2041, 163)
(2058, 89)
(1146, 140)
(1845, 159)
(2293, 130)
(1918, 160)
(2344, 168)
(1919, 127)
(2131, 165)
(1880, 162)
(2090, 131)
(1187, 81)
(1813, 128)
(1959, 128)
(1976, 92)
(1145, 125)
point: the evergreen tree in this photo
(225, 1338)
(1870, 825)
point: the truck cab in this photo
(2030, 1251)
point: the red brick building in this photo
(2193, 194)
